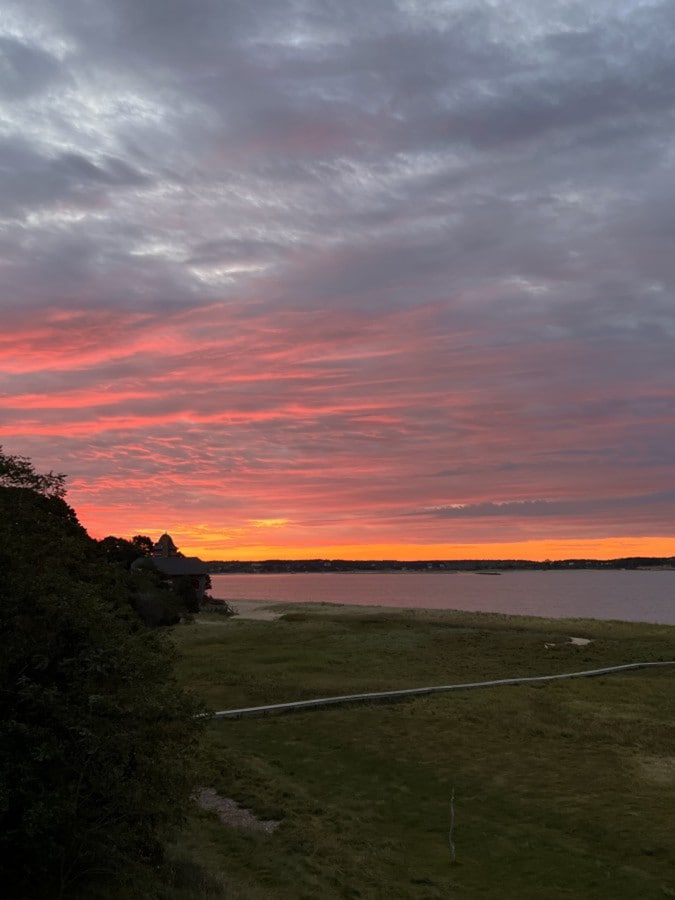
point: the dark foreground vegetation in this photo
(97, 739)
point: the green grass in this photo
(561, 790)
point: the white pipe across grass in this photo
(299, 705)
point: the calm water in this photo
(636, 596)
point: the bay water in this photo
(628, 595)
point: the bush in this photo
(96, 738)
(152, 596)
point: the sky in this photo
(328, 278)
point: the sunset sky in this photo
(359, 278)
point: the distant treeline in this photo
(453, 565)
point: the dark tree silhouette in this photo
(97, 739)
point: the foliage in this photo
(186, 593)
(217, 606)
(96, 737)
(152, 596)
(18, 471)
(120, 550)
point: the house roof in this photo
(177, 565)
(165, 546)
(173, 565)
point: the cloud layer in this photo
(304, 278)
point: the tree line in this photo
(97, 739)
(271, 566)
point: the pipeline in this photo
(382, 696)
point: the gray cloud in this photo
(31, 180)
(549, 508)
(25, 69)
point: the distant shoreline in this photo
(494, 566)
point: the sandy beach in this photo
(255, 609)
(271, 610)
(264, 610)
(246, 609)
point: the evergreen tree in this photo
(96, 737)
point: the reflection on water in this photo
(636, 596)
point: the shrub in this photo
(96, 738)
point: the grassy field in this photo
(560, 790)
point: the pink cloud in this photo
(341, 425)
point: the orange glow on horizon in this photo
(600, 548)
(241, 547)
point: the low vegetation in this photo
(561, 790)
